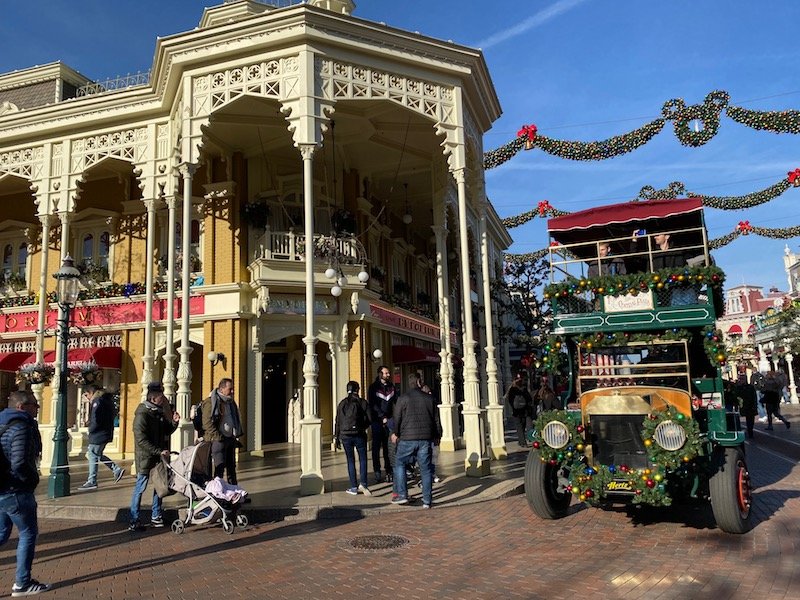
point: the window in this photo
(195, 250)
(94, 249)
(15, 262)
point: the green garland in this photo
(714, 345)
(574, 448)
(633, 283)
(553, 357)
(527, 257)
(746, 201)
(590, 484)
(675, 110)
(672, 459)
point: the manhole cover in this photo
(378, 542)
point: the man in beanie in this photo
(101, 432)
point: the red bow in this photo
(744, 227)
(794, 177)
(553, 244)
(544, 208)
(529, 133)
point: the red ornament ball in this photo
(536, 445)
(579, 428)
(650, 483)
(588, 493)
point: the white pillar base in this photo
(448, 415)
(497, 442)
(183, 436)
(476, 463)
(46, 431)
(311, 481)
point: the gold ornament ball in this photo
(579, 447)
(658, 477)
(582, 497)
(648, 442)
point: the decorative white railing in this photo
(288, 245)
(115, 84)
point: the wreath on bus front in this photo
(565, 427)
(591, 484)
(662, 432)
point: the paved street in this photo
(493, 549)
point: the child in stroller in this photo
(209, 499)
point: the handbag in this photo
(162, 476)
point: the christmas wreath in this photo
(671, 459)
(572, 450)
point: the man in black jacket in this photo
(21, 446)
(381, 397)
(416, 429)
(101, 432)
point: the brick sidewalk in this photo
(483, 550)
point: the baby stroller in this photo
(189, 472)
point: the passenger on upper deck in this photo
(665, 255)
(603, 265)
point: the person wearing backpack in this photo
(352, 422)
(21, 446)
(521, 403)
(101, 432)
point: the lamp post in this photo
(66, 295)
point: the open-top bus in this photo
(635, 296)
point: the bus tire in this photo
(541, 488)
(731, 493)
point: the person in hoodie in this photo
(21, 446)
(101, 432)
(381, 397)
(151, 431)
(222, 426)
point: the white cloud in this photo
(540, 18)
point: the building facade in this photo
(291, 198)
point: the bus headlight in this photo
(555, 434)
(670, 436)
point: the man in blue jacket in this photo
(101, 432)
(21, 446)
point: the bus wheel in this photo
(541, 488)
(731, 493)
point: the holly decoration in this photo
(590, 484)
(573, 449)
(671, 459)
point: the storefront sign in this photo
(629, 302)
(98, 315)
(296, 305)
(411, 325)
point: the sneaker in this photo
(378, 477)
(399, 500)
(762, 419)
(426, 506)
(136, 526)
(787, 424)
(34, 587)
(352, 491)
(119, 475)
(436, 479)
(364, 490)
(157, 522)
(768, 428)
(389, 476)
(88, 486)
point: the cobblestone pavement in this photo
(493, 549)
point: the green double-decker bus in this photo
(635, 296)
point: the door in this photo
(274, 399)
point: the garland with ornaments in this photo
(675, 189)
(553, 355)
(572, 450)
(676, 110)
(671, 459)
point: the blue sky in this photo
(578, 69)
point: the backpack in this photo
(759, 381)
(5, 465)
(518, 400)
(353, 422)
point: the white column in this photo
(494, 411)
(448, 409)
(477, 460)
(170, 379)
(185, 432)
(792, 387)
(311, 481)
(147, 356)
(763, 363)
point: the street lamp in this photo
(66, 295)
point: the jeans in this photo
(136, 499)
(95, 455)
(380, 441)
(407, 451)
(19, 508)
(223, 454)
(351, 443)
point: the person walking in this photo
(417, 429)
(521, 403)
(21, 446)
(352, 422)
(772, 400)
(151, 430)
(748, 402)
(101, 432)
(381, 397)
(222, 426)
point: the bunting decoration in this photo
(682, 116)
(542, 210)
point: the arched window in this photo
(22, 259)
(87, 250)
(102, 250)
(8, 253)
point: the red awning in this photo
(106, 358)
(412, 354)
(11, 361)
(734, 330)
(623, 213)
(752, 328)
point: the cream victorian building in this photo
(291, 198)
